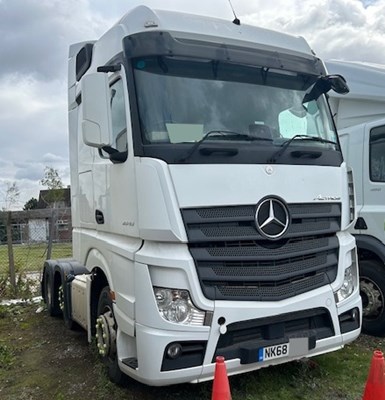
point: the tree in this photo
(51, 179)
(54, 185)
(31, 204)
(12, 195)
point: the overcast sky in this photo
(34, 40)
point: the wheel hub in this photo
(106, 334)
(372, 300)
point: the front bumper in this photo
(152, 343)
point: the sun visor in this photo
(164, 44)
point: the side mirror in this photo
(324, 84)
(96, 123)
(338, 84)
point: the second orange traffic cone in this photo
(375, 384)
(221, 386)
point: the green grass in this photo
(31, 257)
(58, 364)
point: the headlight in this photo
(350, 280)
(175, 305)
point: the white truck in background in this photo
(360, 120)
(207, 220)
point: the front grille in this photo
(234, 261)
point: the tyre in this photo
(372, 290)
(51, 291)
(106, 333)
(65, 308)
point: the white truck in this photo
(360, 119)
(207, 220)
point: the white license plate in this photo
(272, 352)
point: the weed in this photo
(26, 287)
(7, 356)
(4, 311)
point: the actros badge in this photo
(272, 218)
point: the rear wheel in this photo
(106, 332)
(52, 297)
(64, 307)
(372, 290)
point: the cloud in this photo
(31, 171)
(343, 29)
(33, 117)
(35, 34)
(114, 10)
(50, 158)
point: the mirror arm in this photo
(109, 150)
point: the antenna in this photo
(236, 20)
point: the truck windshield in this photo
(181, 100)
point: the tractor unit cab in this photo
(211, 202)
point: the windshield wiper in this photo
(274, 158)
(219, 132)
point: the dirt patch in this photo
(40, 359)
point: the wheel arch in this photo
(101, 277)
(99, 281)
(371, 261)
(370, 248)
(56, 274)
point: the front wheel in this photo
(106, 332)
(372, 290)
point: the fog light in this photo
(349, 320)
(174, 350)
(355, 314)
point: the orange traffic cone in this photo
(375, 385)
(221, 387)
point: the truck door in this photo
(114, 193)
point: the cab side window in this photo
(118, 116)
(377, 154)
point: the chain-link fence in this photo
(27, 239)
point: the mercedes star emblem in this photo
(272, 218)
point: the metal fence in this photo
(27, 239)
